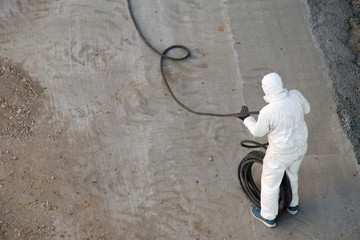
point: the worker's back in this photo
(285, 116)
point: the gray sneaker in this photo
(256, 213)
(292, 210)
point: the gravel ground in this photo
(335, 23)
(20, 98)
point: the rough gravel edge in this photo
(330, 25)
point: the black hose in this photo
(247, 182)
(253, 144)
(164, 56)
(244, 172)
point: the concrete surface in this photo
(156, 180)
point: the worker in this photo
(283, 120)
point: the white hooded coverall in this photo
(283, 119)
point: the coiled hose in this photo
(247, 182)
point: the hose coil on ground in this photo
(247, 182)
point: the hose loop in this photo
(186, 49)
(253, 144)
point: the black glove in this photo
(244, 109)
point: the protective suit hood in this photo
(273, 87)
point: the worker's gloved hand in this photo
(244, 109)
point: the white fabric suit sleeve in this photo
(304, 103)
(257, 128)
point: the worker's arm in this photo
(304, 103)
(257, 128)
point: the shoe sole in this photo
(292, 212)
(266, 224)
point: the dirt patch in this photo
(44, 192)
(20, 99)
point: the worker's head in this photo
(273, 87)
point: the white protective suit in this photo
(283, 119)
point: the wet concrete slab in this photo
(156, 180)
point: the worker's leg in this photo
(271, 178)
(292, 173)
